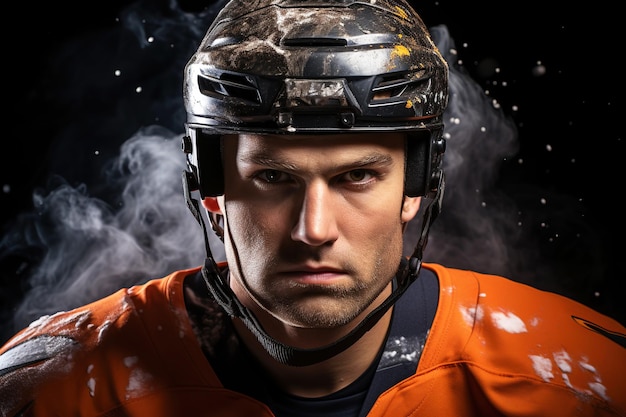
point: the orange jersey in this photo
(496, 347)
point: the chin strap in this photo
(289, 355)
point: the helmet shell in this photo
(284, 66)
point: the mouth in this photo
(307, 275)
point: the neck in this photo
(330, 375)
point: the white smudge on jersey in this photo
(542, 367)
(508, 322)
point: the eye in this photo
(359, 176)
(272, 176)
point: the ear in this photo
(211, 204)
(410, 207)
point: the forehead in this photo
(391, 141)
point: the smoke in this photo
(131, 223)
(92, 248)
(113, 215)
(477, 223)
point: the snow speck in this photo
(54, 324)
(542, 366)
(402, 350)
(563, 361)
(448, 290)
(80, 321)
(508, 322)
(566, 380)
(587, 366)
(91, 384)
(41, 321)
(596, 385)
(130, 361)
(103, 330)
(471, 314)
(599, 389)
(539, 69)
(139, 383)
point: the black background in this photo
(569, 118)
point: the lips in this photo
(307, 274)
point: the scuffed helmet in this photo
(303, 67)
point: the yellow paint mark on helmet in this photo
(402, 12)
(400, 50)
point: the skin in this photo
(313, 237)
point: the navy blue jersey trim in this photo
(413, 315)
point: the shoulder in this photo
(60, 348)
(496, 294)
(513, 332)
(88, 324)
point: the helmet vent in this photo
(395, 88)
(230, 87)
(316, 42)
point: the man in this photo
(314, 136)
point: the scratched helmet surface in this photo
(302, 67)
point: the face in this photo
(313, 224)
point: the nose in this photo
(316, 223)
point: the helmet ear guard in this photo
(204, 162)
(424, 153)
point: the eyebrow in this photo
(265, 159)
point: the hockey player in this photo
(314, 135)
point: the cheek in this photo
(377, 223)
(255, 225)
